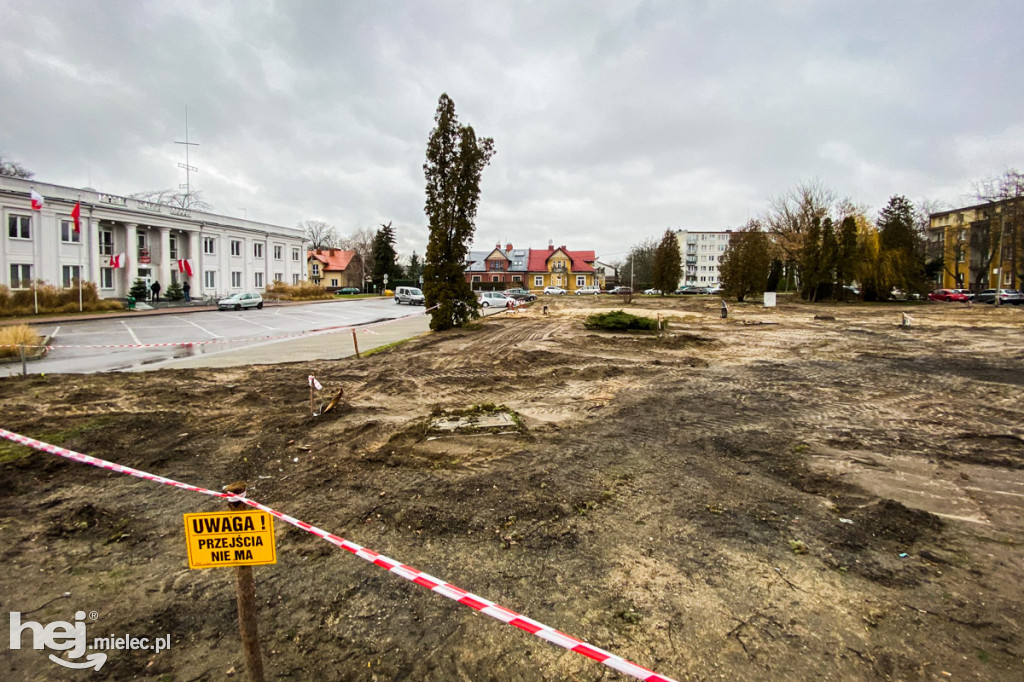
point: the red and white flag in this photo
(37, 200)
(185, 266)
(76, 213)
(314, 383)
(117, 261)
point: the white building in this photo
(702, 255)
(225, 254)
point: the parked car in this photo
(693, 291)
(410, 295)
(521, 294)
(715, 290)
(949, 295)
(555, 291)
(652, 292)
(347, 291)
(1011, 296)
(243, 299)
(588, 290)
(621, 291)
(966, 292)
(491, 299)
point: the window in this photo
(494, 278)
(476, 278)
(236, 247)
(581, 280)
(141, 239)
(106, 243)
(174, 248)
(210, 279)
(538, 280)
(21, 276)
(316, 269)
(258, 280)
(278, 276)
(68, 234)
(517, 278)
(69, 273)
(18, 227)
(295, 255)
(295, 278)
(959, 255)
(106, 278)
(278, 252)
(209, 247)
(257, 250)
(236, 279)
(334, 281)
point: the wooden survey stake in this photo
(230, 538)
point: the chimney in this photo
(562, 247)
(332, 251)
(508, 247)
(498, 246)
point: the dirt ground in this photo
(806, 492)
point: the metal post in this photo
(24, 365)
(246, 593)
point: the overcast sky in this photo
(612, 121)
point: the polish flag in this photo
(117, 261)
(314, 383)
(37, 200)
(184, 265)
(76, 213)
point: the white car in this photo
(652, 292)
(591, 290)
(556, 291)
(491, 299)
(243, 299)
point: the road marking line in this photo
(216, 336)
(55, 332)
(129, 329)
(258, 324)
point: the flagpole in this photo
(32, 230)
(76, 223)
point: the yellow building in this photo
(968, 240)
(559, 267)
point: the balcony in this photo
(559, 269)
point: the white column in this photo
(131, 251)
(164, 269)
(92, 241)
(193, 255)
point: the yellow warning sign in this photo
(230, 538)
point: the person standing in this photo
(155, 289)
(185, 289)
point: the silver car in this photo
(243, 299)
(490, 299)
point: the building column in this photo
(92, 237)
(131, 255)
(193, 256)
(164, 269)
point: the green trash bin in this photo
(131, 303)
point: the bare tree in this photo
(1005, 193)
(167, 197)
(13, 168)
(320, 234)
(361, 241)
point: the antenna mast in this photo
(188, 169)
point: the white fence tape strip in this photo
(408, 572)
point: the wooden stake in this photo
(355, 343)
(246, 593)
(24, 365)
(311, 410)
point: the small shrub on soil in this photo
(12, 337)
(619, 320)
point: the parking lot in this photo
(180, 339)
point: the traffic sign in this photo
(230, 538)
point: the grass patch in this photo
(14, 336)
(305, 291)
(11, 452)
(619, 320)
(383, 349)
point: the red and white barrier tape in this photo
(408, 572)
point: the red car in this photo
(948, 295)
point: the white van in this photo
(410, 295)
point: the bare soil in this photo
(767, 496)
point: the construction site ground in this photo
(803, 492)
